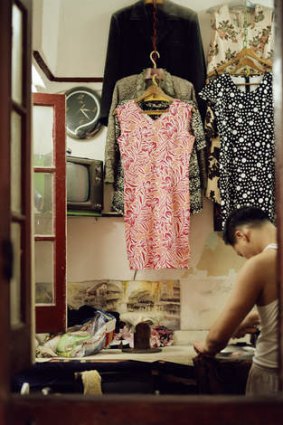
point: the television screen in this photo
(84, 184)
(77, 182)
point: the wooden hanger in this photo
(247, 67)
(154, 92)
(248, 52)
(247, 62)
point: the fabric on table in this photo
(215, 376)
(92, 382)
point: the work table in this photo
(174, 370)
(178, 354)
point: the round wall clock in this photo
(83, 111)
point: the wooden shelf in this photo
(71, 213)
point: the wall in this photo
(96, 247)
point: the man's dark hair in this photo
(250, 216)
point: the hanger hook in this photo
(154, 52)
(247, 71)
(154, 79)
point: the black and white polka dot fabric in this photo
(245, 123)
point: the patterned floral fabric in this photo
(213, 150)
(196, 201)
(245, 121)
(230, 34)
(155, 157)
(130, 88)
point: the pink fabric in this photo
(155, 157)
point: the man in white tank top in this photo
(249, 231)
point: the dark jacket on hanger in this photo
(130, 43)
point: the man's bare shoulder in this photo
(265, 257)
(260, 263)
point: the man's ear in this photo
(238, 234)
(245, 234)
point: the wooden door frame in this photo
(5, 111)
(179, 410)
(278, 101)
(21, 335)
(148, 410)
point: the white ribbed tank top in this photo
(271, 246)
(266, 353)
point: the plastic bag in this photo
(87, 339)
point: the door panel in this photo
(18, 25)
(15, 205)
(49, 204)
(16, 163)
(15, 283)
(44, 273)
(20, 188)
(5, 242)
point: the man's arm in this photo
(248, 325)
(243, 298)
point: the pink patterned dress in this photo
(155, 157)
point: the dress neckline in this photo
(147, 117)
(235, 89)
(234, 10)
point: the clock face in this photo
(83, 110)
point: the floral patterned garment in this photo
(196, 202)
(229, 33)
(245, 122)
(155, 157)
(213, 150)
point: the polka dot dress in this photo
(245, 122)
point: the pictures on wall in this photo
(135, 301)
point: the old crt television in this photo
(84, 184)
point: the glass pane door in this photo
(15, 154)
(49, 207)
